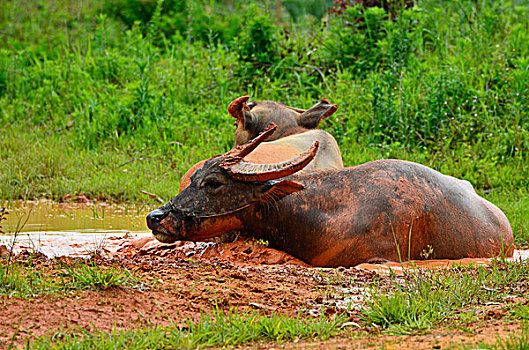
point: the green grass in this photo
(513, 342)
(15, 281)
(424, 299)
(26, 280)
(520, 312)
(218, 329)
(515, 204)
(89, 275)
(92, 103)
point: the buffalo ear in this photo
(280, 189)
(312, 117)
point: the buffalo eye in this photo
(213, 184)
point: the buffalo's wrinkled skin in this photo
(342, 217)
(295, 133)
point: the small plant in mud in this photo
(520, 312)
(427, 253)
(513, 341)
(504, 251)
(10, 278)
(21, 280)
(258, 242)
(91, 275)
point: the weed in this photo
(512, 342)
(92, 276)
(10, 277)
(24, 281)
(520, 312)
(220, 328)
(257, 242)
(427, 253)
(423, 299)
(3, 216)
(515, 342)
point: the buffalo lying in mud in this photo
(294, 134)
(381, 210)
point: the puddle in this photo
(58, 229)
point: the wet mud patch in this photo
(246, 251)
(249, 251)
(173, 291)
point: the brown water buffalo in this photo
(294, 134)
(338, 217)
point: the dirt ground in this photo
(181, 281)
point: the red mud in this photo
(173, 289)
(243, 252)
(250, 252)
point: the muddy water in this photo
(58, 229)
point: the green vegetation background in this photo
(108, 98)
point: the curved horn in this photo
(322, 100)
(245, 171)
(298, 110)
(243, 150)
(235, 107)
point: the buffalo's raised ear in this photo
(315, 114)
(280, 189)
(236, 106)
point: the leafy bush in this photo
(363, 38)
(173, 12)
(299, 9)
(205, 21)
(256, 47)
(353, 40)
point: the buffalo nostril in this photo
(154, 218)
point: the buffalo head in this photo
(254, 116)
(223, 190)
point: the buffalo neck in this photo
(295, 223)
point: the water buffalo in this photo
(294, 134)
(381, 210)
